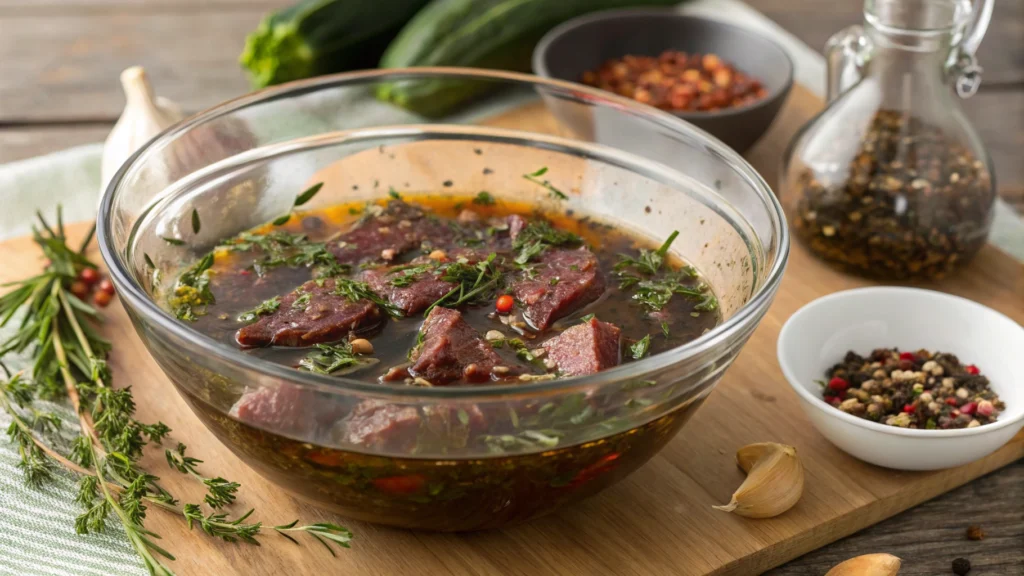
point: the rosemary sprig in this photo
(70, 362)
(220, 492)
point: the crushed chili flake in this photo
(922, 389)
(677, 81)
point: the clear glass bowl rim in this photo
(129, 289)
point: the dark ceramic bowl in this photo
(584, 43)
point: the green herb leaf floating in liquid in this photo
(195, 221)
(308, 194)
(282, 220)
(173, 241)
(484, 198)
(641, 347)
(149, 261)
(394, 193)
(535, 178)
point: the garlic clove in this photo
(867, 565)
(774, 484)
(145, 115)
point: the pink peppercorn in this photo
(838, 384)
(968, 408)
(972, 369)
(985, 408)
(910, 356)
(951, 401)
(908, 408)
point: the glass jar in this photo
(891, 181)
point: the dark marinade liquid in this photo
(238, 288)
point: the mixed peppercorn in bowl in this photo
(906, 405)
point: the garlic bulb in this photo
(775, 481)
(145, 115)
(867, 565)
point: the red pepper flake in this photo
(410, 484)
(838, 384)
(972, 370)
(910, 356)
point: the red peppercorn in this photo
(504, 304)
(969, 408)
(79, 289)
(906, 365)
(89, 275)
(908, 408)
(910, 356)
(838, 384)
(106, 286)
(972, 369)
(951, 401)
(101, 298)
(831, 399)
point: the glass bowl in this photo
(467, 457)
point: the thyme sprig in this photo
(70, 363)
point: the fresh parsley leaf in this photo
(641, 347)
(266, 307)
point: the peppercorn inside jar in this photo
(911, 203)
(891, 181)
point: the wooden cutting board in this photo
(657, 521)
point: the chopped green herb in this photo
(402, 276)
(474, 282)
(266, 307)
(192, 292)
(195, 221)
(173, 241)
(535, 178)
(641, 347)
(463, 417)
(302, 302)
(308, 194)
(553, 281)
(587, 318)
(394, 193)
(649, 262)
(282, 248)
(355, 291)
(484, 198)
(329, 358)
(282, 220)
(537, 236)
(149, 261)
(664, 329)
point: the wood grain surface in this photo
(657, 521)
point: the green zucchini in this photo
(475, 33)
(316, 37)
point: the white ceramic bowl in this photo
(818, 336)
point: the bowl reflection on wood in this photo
(585, 43)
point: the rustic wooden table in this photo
(59, 62)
